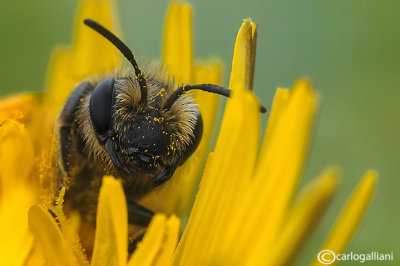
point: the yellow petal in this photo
(204, 239)
(16, 196)
(16, 241)
(195, 216)
(243, 63)
(252, 53)
(302, 219)
(350, 217)
(170, 241)
(147, 249)
(177, 50)
(225, 174)
(35, 258)
(49, 237)
(158, 243)
(111, 238)
(18, 107)
(16, 155)
(69, 229)
(279, 168)
(272, 187)
(279, 104)
(90, 54)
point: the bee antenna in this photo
(204, 87)
(125, 51)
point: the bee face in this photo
(141, 136)
(146, 140)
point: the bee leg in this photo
(65, 140)
(133, 244)
(139, 215)
(64, 125)
(165, 175)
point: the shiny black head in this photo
(146, 140)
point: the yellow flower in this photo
(246, 211)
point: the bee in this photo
(137, 127)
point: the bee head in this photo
(140, 138)
(139, 142)
(144, 141)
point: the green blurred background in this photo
(349, 49)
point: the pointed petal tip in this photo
(371, 176)
(333, 171)
(177, 44)
(331, 177)
(369, 181)
(303, 82)
(326, 183)
(245, 27)
(350, 217)
(304, 86)
(180, 3)
(248, 20)
(173, 218)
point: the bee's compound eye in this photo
(100, 106)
